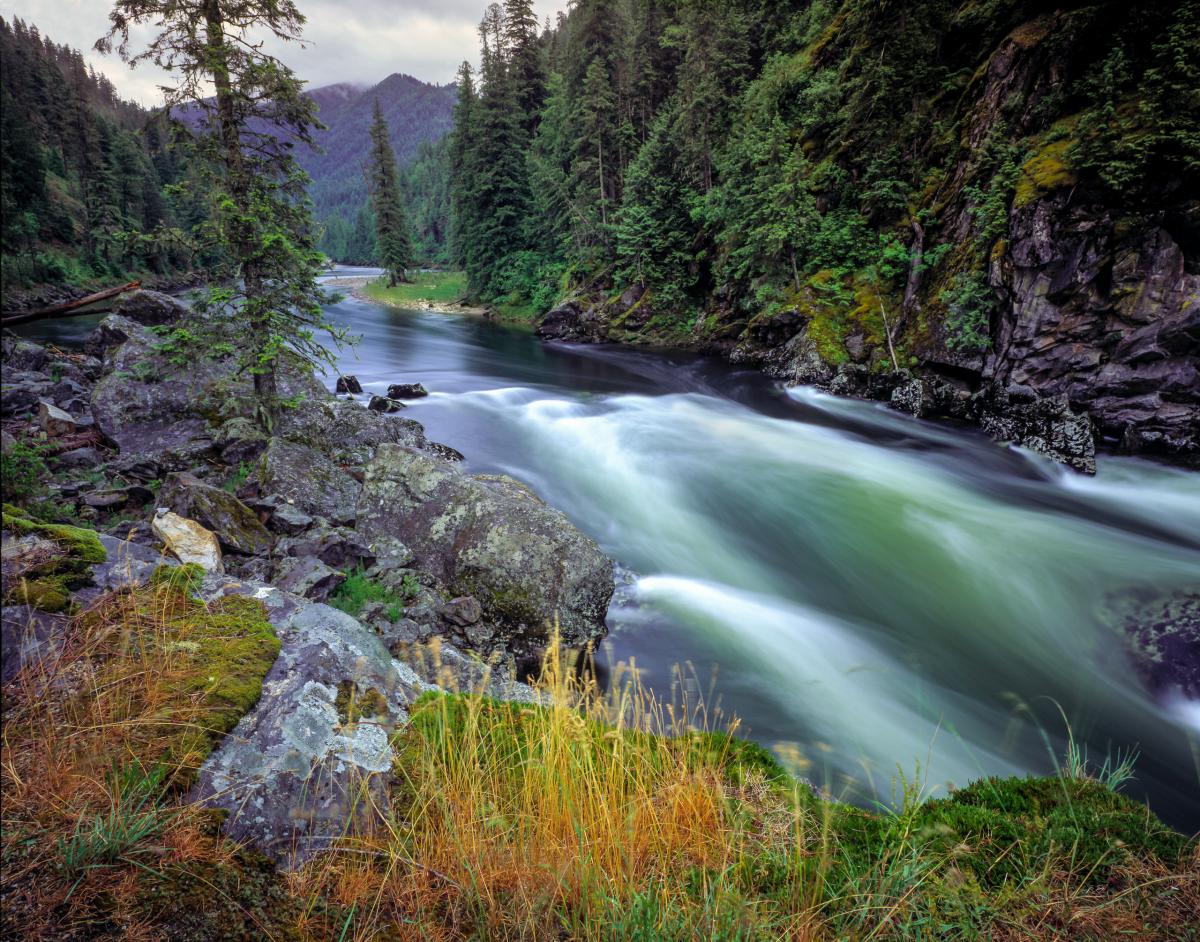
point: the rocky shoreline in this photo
(150, 444)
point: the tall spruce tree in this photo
(249, 111)
(391, 224)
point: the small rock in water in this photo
(190, 542)
(384, 404)
(407, 391)
(349, 384)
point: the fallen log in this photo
(70, 309)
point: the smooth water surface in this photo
(869, 594)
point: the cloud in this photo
(363, 42)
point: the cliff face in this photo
(1110, 320)
(1049, 279)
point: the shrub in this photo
(970, 303)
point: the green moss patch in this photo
(1044, 172)
(82, 545)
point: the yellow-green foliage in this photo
(837, 306)
(1045, 171)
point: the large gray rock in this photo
(494, 539)
(151, 308)
(141, 403)
(237, 526)
(309, 479)
(311, 762)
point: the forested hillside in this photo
(978, 190)
(93, 186)
(418, 115)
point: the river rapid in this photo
(870, 595)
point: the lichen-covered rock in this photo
(142, 406)
(237, 526)
(310, 763)
(492, 538)
(1164, 641)
(309, 479)
(347, 431)
(1047, 426)
(188, 540)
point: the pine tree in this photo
(391, 225)
(247, 102)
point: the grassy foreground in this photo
(560, 821)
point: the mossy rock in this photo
(1044, 172)
(47, 593)
(83, 546)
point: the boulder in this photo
(83, 458)
(308, 479)
(349, 384)
(462, 611)
(562, 322)
(21, 354)
(188, 540)
(1164, 642)
(1046, 425)
(491, 538)
(407, 391)
(237, 526)
(56, 422)
(311, 762)
(288, 520)
(339, 547)
(307, 576)
(144, 413)
(384, 405)
(151, 308)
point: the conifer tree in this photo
(247, 104)
(391, 225)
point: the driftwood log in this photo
(70, 309)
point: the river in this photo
(869, 594)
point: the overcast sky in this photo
(359, 41)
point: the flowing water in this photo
(869, 594)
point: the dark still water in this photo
(873, 594)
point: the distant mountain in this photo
(415, 111)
